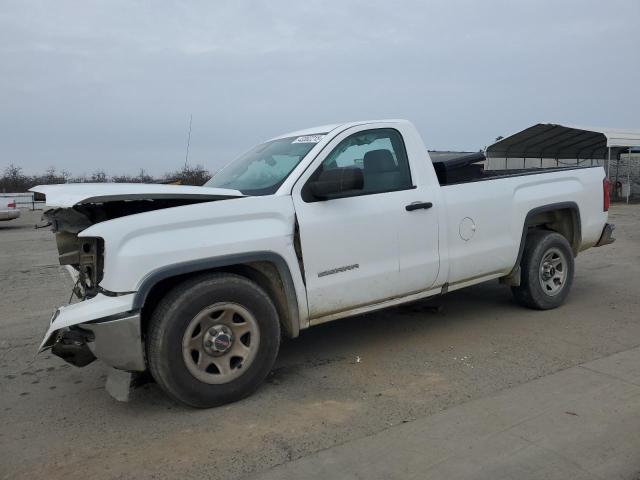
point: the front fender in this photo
(138, 244)
(141, 248)
(294, 306)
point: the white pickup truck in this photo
(196, 285)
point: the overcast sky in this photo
(87, 85)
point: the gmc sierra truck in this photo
(196, 285)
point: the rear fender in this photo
(537, 215)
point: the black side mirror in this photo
(337, 181)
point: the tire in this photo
(547, 268)
(213, 339)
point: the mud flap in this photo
(607, 235)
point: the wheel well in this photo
(264, 273)
(563, 218)
(564, 221)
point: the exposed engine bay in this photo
(86, 255)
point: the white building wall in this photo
(618, 172)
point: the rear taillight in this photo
(11, 205)
(605, 194)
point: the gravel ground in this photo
(337, 382)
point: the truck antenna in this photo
(186, 158)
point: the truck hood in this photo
(70, 195)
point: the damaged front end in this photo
(84, 260)
(102, 324)
(102, 327)
(81, 333)
(72, 345)
(83, 257)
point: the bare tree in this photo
(188, 175)
(99, 177)
(13, 180)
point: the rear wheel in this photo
(547, 268)
(213, 339)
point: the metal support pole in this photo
(608, 162)
(629, 174)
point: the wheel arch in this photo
(563, 218)
(269, 270)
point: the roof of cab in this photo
(328, 128)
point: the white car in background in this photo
(8, 210)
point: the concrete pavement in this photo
(416, 361)
(582, 423)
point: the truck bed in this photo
(469, 167)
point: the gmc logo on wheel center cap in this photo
(222, 342)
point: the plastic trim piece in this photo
(606, 237)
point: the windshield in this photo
(265, 167)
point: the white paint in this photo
(396, 250)
(467, 229)
(471, 234)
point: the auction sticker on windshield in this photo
(308, 139)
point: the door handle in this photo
(418, 205)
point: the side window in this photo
(381, 156)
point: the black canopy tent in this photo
(565, 142)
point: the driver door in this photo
(350, 245)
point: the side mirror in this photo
(337, 181)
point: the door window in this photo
(381, 156)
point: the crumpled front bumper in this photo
(105, 327)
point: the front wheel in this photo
(213, 339)
(547, 268)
